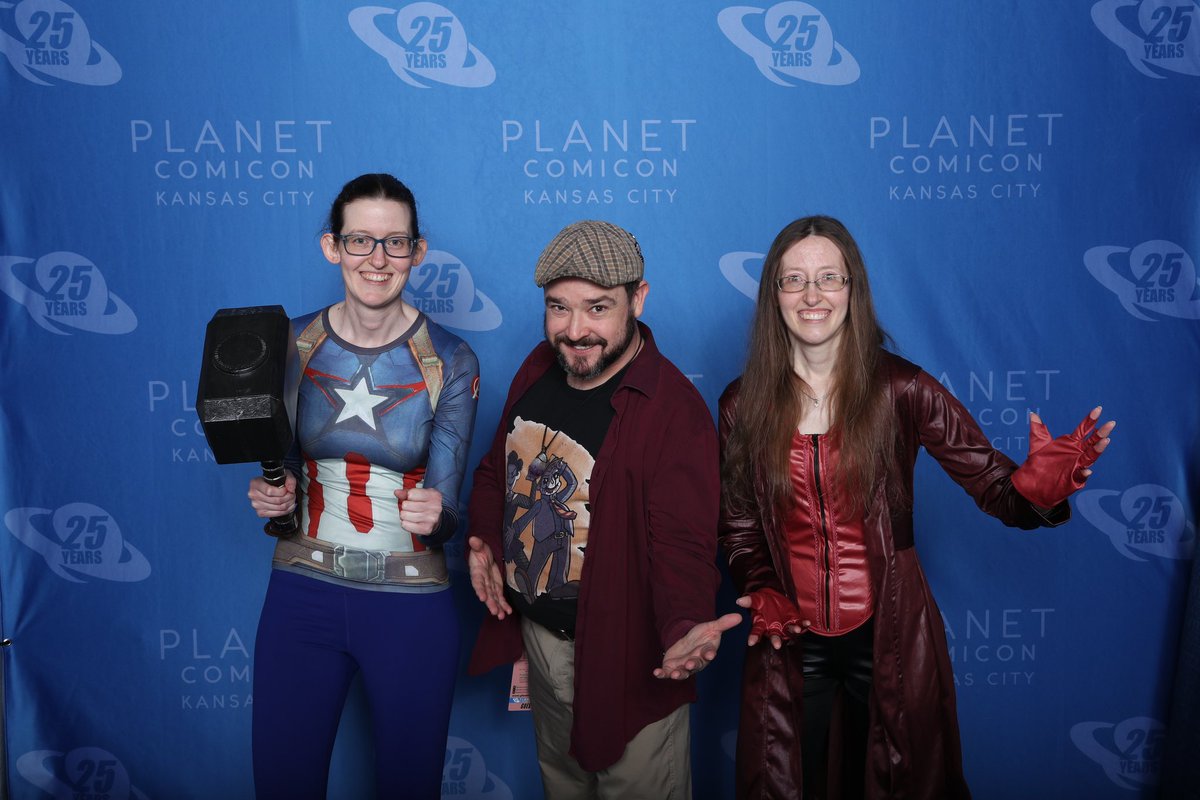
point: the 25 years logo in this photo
(81, 773)
(1158, 36)
(1130, 752)
(1144, 520)
(65, 291)
(49, 39)
(733, 267)
(429, 45)
(443, 288)
(1153, 281)
(789, 42)
(78, 541)
(465, 774)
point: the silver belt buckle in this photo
(364, 566)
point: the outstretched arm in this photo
(696, 649)
(934, 418)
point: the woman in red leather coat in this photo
(819, 437)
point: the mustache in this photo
(587, 341)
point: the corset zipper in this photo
(825, 546)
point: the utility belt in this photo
(426, 568)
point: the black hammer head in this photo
(247, 394)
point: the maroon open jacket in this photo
(913, 748)
(650, 572)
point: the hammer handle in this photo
(275, 474)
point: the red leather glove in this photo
(1054, 468)
(771, 613)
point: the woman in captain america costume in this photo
(847, 689)
(383, 423)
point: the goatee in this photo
(608, 355)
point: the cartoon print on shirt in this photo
(514, 553)
(546, 520)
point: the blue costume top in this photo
(365, 426)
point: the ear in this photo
(329, 246)
(420, 248)
(639, 298)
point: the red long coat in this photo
(913, 748)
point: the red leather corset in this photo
(826, 543)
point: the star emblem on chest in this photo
(359, 401)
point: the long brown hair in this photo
(771, 398)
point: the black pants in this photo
(837, 674)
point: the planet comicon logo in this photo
(1145, 520)
(964, 157)
(1158, 36)
(1153, 281)
(1129, 752)
(997, 647)
(423, 43)
(82, 773)
(465, 774)
(567, 161)
(230, 162)
(78, 541)
(64, 292)
(443, 288)
(789, 43)
(47, 40)
(213, 665)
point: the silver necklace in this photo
(816, 401)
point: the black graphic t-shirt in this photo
(554, 435)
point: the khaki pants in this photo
(656, 764)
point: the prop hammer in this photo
(247, 396)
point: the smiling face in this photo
(375, 281)
(814, 319)
(592, 328)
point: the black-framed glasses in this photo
(359, 244)
(829, 282)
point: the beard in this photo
(609, 353)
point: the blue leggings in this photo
(313, 637)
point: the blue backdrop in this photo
(1022, 179)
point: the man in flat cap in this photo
(593, 531)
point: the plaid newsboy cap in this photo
(596, 251)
